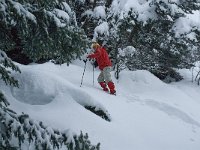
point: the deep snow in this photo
(146, 114)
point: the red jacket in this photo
(101, 57)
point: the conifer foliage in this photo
(41, 30)
(28, 132)
(155, 45)
(5, 73)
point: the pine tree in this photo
(157, 48)
(41, 30)
(172, 51)
(86, 16)
(5, 65)
(196, 55)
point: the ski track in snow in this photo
(165, 108)
(172, 111)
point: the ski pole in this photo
(85, 61)
(93, 74)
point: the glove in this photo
(89, 56)
(95, 64)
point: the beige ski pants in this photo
(105, 75)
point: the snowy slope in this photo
(146, 114)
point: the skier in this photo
(104, 64)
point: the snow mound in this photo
(34, 88)
(141, 77)
(40, 86)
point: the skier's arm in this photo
(96, 54)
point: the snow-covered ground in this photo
(146, 114)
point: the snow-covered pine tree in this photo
(188, 5)
(197, 50)
(172, 52)
(90, 14)
(126, 40)
(119, 32)
(196, 56)
(5, 65)
(156, 47)
(22, 27)
(41, 30)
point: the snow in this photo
(61, 14)
(145, 114)
(129, 50)
(3, 7)
(22, 11)
(142, 8)
(99, 12)
(146, 10)
(56, 19)
(101, 29)
(67, 7)
(186, 24)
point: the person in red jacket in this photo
(104, 64)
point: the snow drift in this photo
(145, 114)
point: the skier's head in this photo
(95, 45)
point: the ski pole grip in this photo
(85, 60)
